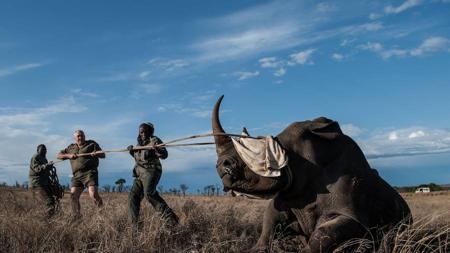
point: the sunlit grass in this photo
(208, 224)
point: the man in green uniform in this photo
(147, 172)
(39, 179)
(84, 169)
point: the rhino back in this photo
(332, 176)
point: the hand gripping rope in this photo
(171, 143)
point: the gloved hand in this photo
(130, 150)
(49, 165)
(157, 152)
(151, 153)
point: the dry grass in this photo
(208, 224)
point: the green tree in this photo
(183, 188)
(120, 182)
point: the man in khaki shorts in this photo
(84, 169)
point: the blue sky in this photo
(380, 68)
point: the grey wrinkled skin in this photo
(333, 194)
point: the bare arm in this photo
(64, 156)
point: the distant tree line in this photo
(433, 187)
(208, 190)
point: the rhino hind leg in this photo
(333, 233)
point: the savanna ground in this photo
(207, 224)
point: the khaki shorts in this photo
(82, 179)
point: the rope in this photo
(168, 144)
(211, 134)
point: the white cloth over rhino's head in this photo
(263, 156)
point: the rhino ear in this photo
(245, 132)
(325, 128)
(323, 149)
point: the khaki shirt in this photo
(148, 159)
(84, 163)
(38, 175)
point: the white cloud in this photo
(432, 44)
(172, 65)
(280, 72)
(416, 134)
(202, 98)
(248, 42)
(269, 62)
(245, 75)
(196, 104)
(370, 27)
(19, 68)
(155, 69)
(372, 46)
(16, 151)
(429, 45)
(167, 65)
(386, 54)
(144, 89)
(303, 57)
(362, 28)
(404, 6)
(266, 28)
(82, 92)
(144, 74)
(199, 112)
(374, 16)
(22, 129)
(337, 57)
(346, 42)
(273, 62)
(34, 117)
(326, 7)
(150, 88)
(406, 142)
(351, 130)
(393, 136)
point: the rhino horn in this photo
(223, 142)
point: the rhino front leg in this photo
(334, 232)
(273, 216)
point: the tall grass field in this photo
(207, 224)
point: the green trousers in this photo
(46, 199)
(144, 186)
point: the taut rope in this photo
(168, 144)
